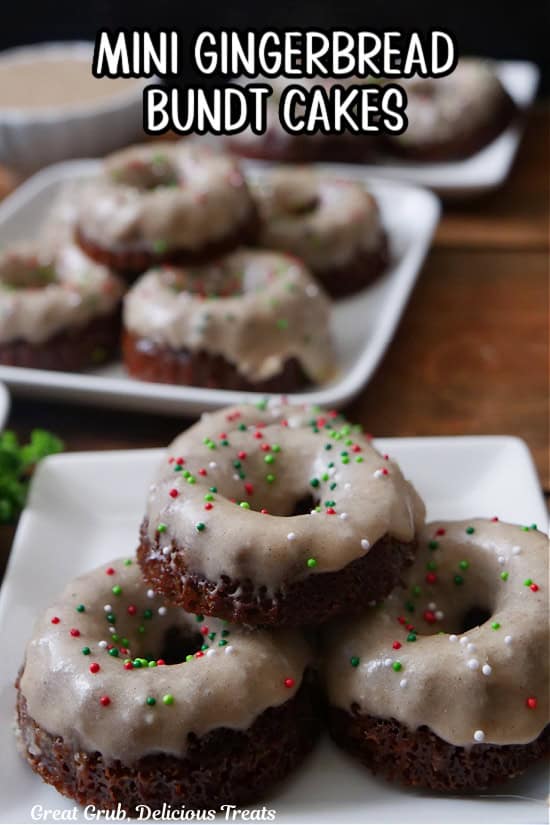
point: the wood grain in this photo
(470, 355)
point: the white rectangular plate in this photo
(84, 510)
(363, 325)
(488, 168)
(4, 405)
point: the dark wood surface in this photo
(470, 355)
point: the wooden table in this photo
(470, 355)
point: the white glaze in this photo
(229, 686)
(457, 683)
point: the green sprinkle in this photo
(417, 590)
(354, 661)
(168, 699)
(137, 663)
(161, 528)
(151, 701)
(431, 565)
(282, 323)
(222, 642)
(463, 564)
(245, 505)
(314, 482)
(213, 489)
(433, 545)
(117, 589)
(111, 618)
(212, 636)
(128, 562)
(115, 637)
(411, 637)
(470, 530)
(188, 657)
(152, 663)
(458, 580)
(209, 497)
(200, 526)
(312, 562)
(409, 606)
(495, 625)
(199, 617)
(270, 478)
(397, 666)
(160, 246)
(147, 614)
(125, 642)
(328, 446)
(276, 448)
(359, 459)
(528, 582)
(141, 629)
(113, 651)
(86, 651)
(504, 576)
(80, 608)
(269, 459)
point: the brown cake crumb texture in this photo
(224, 767)
(131, 261)
(149, 361)
(71, 350)
(422, 759)
(361, 271)
(308, 601)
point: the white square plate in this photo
(488, 168)
(363, 326)
(84, 509)
(4, 405)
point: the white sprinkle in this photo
(373, 603)
(166, 550)
(347, 486)
(311, 290)
(507, 640)
(479, 735)
(388, 662)
(162, 611)
(378, 474)
(470, 647)
(150, 594)
(473, 664)
(210, 651)
(453, 637)
(291, 536)
(486, 670)
(102, 644)
(213, 465)
(149, 718)
(365, 544)
(112, 630)
(463, 640)
(107, 608)
(501, 559)
(236, 477)
(403, 683)
(439, 615)
(432, 606)
(344, 516)
(229, 649)
(313, 512)
(516, 550)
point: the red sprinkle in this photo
(173, 493)
(198, 654)
(202, 472)
(204, 630)
(534, 587)
(289, 683)
(440, 531)
(495, 518)
(180, 460)
(208, 505)
(128, 666)
(330, 511)
(429, 616)
(249, 488)
(110, 571)
(94, 667)
(356, 448)
(241, 454)
(409, 627)
(431, 578)
(223, 435)
(401, 620)
(396, 645)
(55, 620)
(264, 512)
(258, 435)
(531, 702)
(265, 447)
(74, 631)
(132, 609)
(123, 650)
(160, 662)
(104, 700)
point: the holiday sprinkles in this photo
(473, 651)
(290, 491)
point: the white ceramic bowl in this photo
(34, 137)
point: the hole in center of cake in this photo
(474, 617)
(173, 647)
